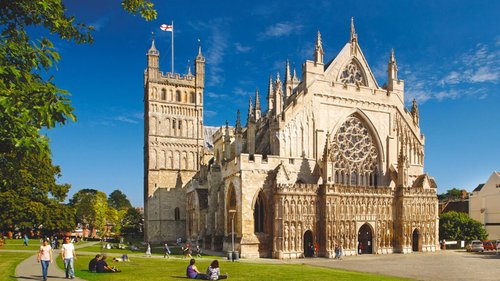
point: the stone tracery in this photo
(352, 74)
(354, 154)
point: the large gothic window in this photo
(354, 154)
(258, 215)
(352, 74)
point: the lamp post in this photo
(232, 212)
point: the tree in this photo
(459, 226)
(118, 200)
(91, 208)
(132, 222)
(29, 194)
(30, 102)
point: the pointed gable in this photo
(350, 66)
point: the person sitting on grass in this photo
(125, 257)
(93, 263)
(102, 266)
(213, 271)
(193, 273)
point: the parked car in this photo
(488, 245)
(475, 246)
(497, 245)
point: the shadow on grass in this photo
(35, 277)
(179, 277)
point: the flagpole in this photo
(172, 47)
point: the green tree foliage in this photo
(29, 194)
(132, 222)
(91, 208)
(118, 200)
(30, 102)
(459, 226)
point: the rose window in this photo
(352, 75)
(354, 154)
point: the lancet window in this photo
(258, 214)
(354, 155)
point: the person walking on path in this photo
(341, 251)
(148, 251)
(45, 258)
(68, 255)
(26, 240)
(198, 251)
(167, 251)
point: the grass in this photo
(8, 263)
(156, 269)
(17, 244)
(156, 250)
(33, 244)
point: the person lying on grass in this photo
(102, 267)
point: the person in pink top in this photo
(45, 258)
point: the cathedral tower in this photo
(173, 144)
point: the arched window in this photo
(174, 124)
(354, 153)
(258, 215)
(193, 97)
(178, 95)
(354, 178)
(177, 214)
(232, 209)
(163, 94)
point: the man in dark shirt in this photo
(93, 263)
(102, 266)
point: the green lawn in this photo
(156, 250)
(17, 244)
(174, 269)
(8, 263)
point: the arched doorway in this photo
(416, 236)
(365, 241)
(308, 244)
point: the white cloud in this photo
(100, 23)
(126, 119)
(216, 47)
(281, 29)
(478, 65)
(241, 49)
(465, 75)
(209, 113)
(452, 78)
(240, 92)
(484, 74)
(131, 118)
(215, 95)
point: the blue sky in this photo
(448, 53)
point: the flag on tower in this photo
(166, 27)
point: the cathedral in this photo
(334, 159)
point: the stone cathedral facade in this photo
(335, 159)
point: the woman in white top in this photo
(45, 258)
(213, 271)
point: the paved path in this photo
(443, 265)
(29, 269)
